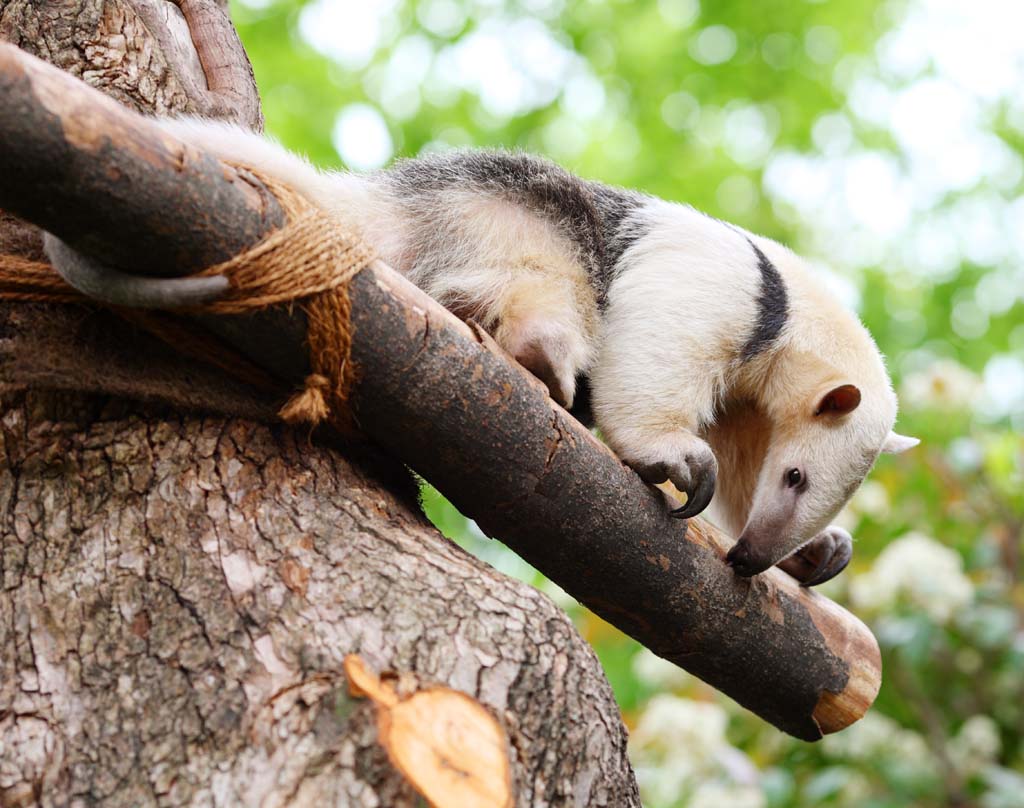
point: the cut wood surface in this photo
(446, 400)
(446, 743)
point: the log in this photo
(446, 400)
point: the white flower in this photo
(873, 737)
(1005, 788)
(660, 785)
(679, 745)
(976, 744)
(659, 673)
(871, 499)
(673, 727)
(863, 740)
(945, 385)
(856, 791)
(919, 571)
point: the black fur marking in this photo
(621, 229)
(594, 217)
(772, 307)
(581, 403)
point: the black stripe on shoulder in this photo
(620, 227)
(772, 307)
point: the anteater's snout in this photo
(745, 561)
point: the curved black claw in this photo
(698, 497)
(118, 288)
(822, 559)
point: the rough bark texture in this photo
(453, 406)
(177, 592)
(178, 596)
(142, 52)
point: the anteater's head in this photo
(832, 411)
(811, 470)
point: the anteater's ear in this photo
(894, 444)
(841, 400)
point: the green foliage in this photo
(870, 137)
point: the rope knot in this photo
(309, 405)
(311, 261)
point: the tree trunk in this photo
(177, 591)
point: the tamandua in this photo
(707, 353)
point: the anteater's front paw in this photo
(822, 558)
(688, 463)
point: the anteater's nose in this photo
(744, 561)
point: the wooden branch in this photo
(79, 164)
(446, 400)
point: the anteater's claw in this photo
(699, 497)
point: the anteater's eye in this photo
(794, 478)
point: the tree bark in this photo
(177, 591)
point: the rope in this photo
(34, 282)
(308, 261)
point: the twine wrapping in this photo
(34, 282)
(309, 261)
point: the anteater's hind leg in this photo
(543, 314)
(542, 323)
